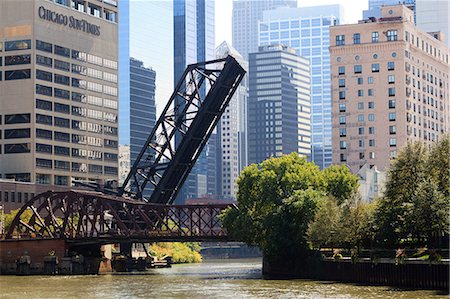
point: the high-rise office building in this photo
(193, 40)
(306, 29)
(246, 14)
(58, 91)
(374, 9)
(232, 132)
(390, 84)
(433, 16)
(279, 103)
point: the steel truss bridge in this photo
(107, 216)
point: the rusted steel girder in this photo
(83, 217)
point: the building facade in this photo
(232, 132)
(390, 84)
(433, 16)
(306, 30)
(374, 9)
(193, 41)
(246, 14)
(279, 103)
(58, 91)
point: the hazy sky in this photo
(352, 13)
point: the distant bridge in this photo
(95, 218)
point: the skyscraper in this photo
(232, 131)
(390, 85)
(306, 29)
(246, 14)
(279, 103)
(193, 33)
(374, 9)
(433, 16)
(58, 93)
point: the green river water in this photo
(211, 279)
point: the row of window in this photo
(65, 94)
(375, 68)
(370, 105)
(75, 152)
(370, 117)
(325, 21)
(361, 131)
(76, 111)
(66, 137)
(342, 93)
(391, 35)
(76, 167)
(361, 143)
(14, 196)
(92, 9)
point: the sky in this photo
(352, 13)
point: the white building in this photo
(124, 162)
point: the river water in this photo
(211, 279)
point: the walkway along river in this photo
(211, 279)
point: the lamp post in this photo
(2, 220)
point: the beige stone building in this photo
(390, 84)
(58, 91)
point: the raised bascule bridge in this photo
(67, 225)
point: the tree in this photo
(340, 182)
(324, 230)
(277, 201)
(439, 164)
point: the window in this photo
(391, 104)
(64, 165)
(44, 90)
(110, 15)
(44, 119)
(45, 61)
(79, 69)
(43, 179)
(61, 150)
(343, 144)
(371, 117)
(78, 5)
(343, 157)
(371, 130)
(18, 59)
(341, 82)
(62, 108)
(391, 91)
(392, 142)
(62, 51)
(392, 130)
(44, 134)
(62, 94)
(371, 105)
(370, 80)
(340, 40)
(62, 122)
(43, 46)
(391, 116)
(372, 155)
(391, 66)
(360, 117)
(360, 93)
(43, 148)
(342, 120)
(62, 65)
(95, 168)
(17, 133)
(361, 131)
(391, 35)
(375, 37)
(371, 142)
(370, 92)
(18, 74)
(342, 95)
(60, 79)
(61, 180)
(44, 105)
(18, 45)
(17, 148)
(375, 67)
(360, 105)
(361, 143)
(356, 38)
(391, 79)
(341, 70)
(44, 163)
(60, 136)
(11, 119)
(360, 80)
(342, 132)
(43, 75)
(358, 69)
(392, 154)
(341, 107)
(94, 10)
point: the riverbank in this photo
(210, 279)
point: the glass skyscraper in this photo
(374, 9)
(306, 30)
(193, 38)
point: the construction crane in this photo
(195, 107)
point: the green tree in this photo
(278, 199)
(439, 164)
(340, 182)
(324, 231)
